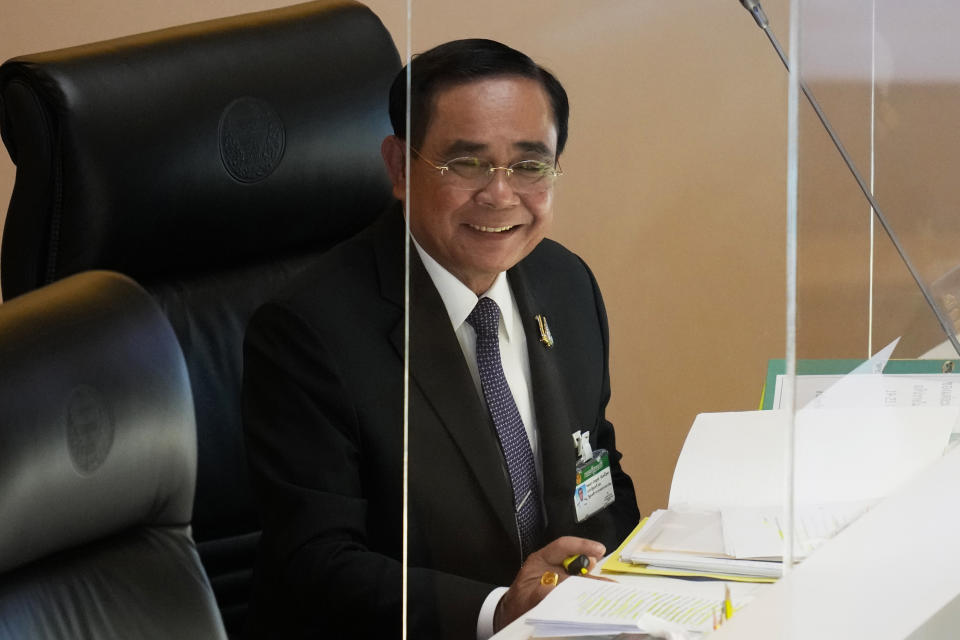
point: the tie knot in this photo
(485, 317)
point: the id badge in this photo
(594, 489)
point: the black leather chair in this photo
(98, 457)
(209, 162)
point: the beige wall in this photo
(674, 185)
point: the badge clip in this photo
(594, 487)
(581, 442)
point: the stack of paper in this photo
(690, 541)
(584, 606)
(733, 542)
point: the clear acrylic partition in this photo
(887, 77)
(672, 192)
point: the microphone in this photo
(758, 15)
(757, 12)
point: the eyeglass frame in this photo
(555, 172)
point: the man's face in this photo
(476, 234)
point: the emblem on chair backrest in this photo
(251, 139)
(89, 429)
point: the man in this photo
(492, 477)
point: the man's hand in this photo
(527, 589)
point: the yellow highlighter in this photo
(577, 565)
(727, 603)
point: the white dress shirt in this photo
(459, 301)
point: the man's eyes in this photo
(531, 168)
(471, 164)
(468, 164)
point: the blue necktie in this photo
(485, 319)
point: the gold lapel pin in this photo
(545, 336)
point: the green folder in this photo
(778, 366)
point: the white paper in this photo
(706, 565)
(580, 605)
(691, 541)
(842, 386)
(842, 455)
(681, 532)
(758, 533)
(887, 390)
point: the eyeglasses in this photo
(472, 173)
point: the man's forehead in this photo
(464, 116)
(471, 147)
(487, 85)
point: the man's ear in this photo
(392, 149)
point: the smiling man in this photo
(483, 222)
(508, 369)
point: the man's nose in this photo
(498, 193)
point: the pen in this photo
(577, 565)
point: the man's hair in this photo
(459, 62)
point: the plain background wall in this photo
(674, 190)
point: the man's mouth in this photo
(491, 229)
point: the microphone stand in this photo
(761, 19)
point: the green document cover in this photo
(778, 366)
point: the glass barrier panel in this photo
(876, 293)
(671, 192)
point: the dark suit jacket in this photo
(323, 403)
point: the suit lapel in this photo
(554, 418)
(439, 371)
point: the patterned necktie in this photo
(485, 319)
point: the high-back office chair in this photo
(98, 457)
(210, 162)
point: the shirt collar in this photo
(459, 300)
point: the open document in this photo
(724, 516)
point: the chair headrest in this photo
(212, 144)
(97, 430)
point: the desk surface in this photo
(898, 567)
